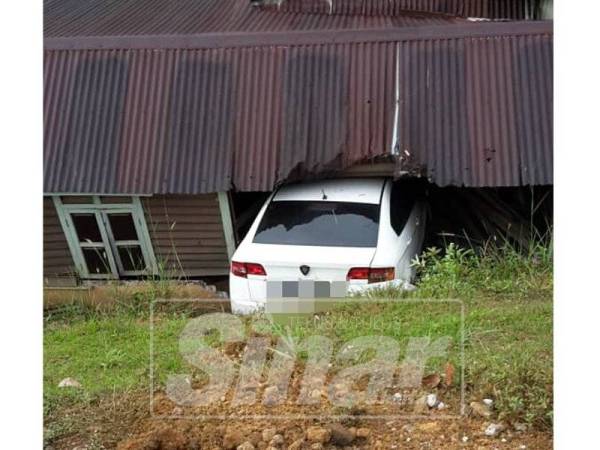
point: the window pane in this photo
(132, 258)
(96, 260)
(86, 226)
(402, 202)
(330, 224)
(122, 227)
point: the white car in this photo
(364, 231)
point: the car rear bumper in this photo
(246, 307)
(248, 296)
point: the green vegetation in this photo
(507, 296)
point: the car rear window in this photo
(330, 224)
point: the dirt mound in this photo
(126, 423)
(182, 435)
(163, 438)
(351, 431)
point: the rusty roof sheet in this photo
(491, 9)
(477, 112)
(465, 105)
(77, 18)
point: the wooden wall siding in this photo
(57, 256)
(187, 234)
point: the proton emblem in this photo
(304, 269)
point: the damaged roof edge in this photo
(288, 38)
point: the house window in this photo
(107, 236)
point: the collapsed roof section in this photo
(462, 103)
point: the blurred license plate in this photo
(306, 289)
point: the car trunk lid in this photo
(284, 262)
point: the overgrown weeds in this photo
(496, 269)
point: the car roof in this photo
(354, 190)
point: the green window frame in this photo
(107, 244)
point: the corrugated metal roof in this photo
(492, 9)
(474, 108)
(477, 112)
(64, 18)
(197, 120)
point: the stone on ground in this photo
(431, 400)
(245, 446)
(296, 445)
(494, 429)
(340, 435)
(233, 438)
(480, 409)
(69, 382)
(363, 433)
(318, 434)
(268, 433)
(276, 441)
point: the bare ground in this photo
(126, 422)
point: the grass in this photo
(508, 297)
(506, 292)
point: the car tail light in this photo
(241, 269)
(255, 269)
(378, 275)
(373, 275)
(238, 269)
(358, 273)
